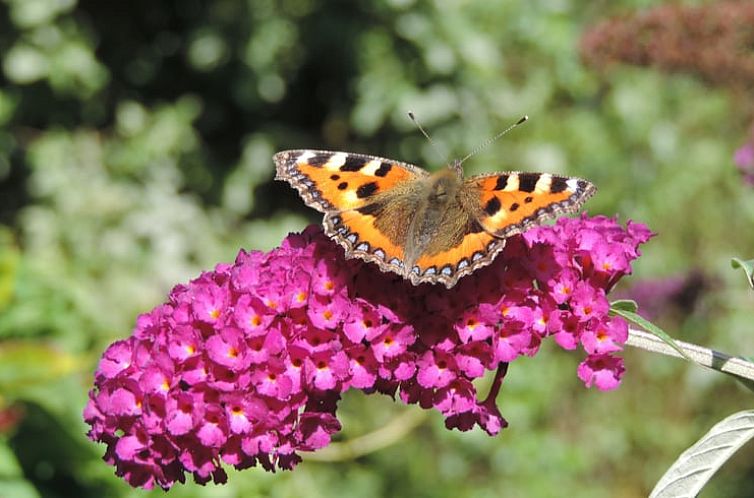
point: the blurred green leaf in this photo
(12, 481)
(9, 260)
(7, 107)
(747, 266)
(23, 64)
(23, 364)
(33, 13)
(17, 488)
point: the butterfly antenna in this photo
(487, 142)
(426, 135)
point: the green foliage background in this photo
(135, 150)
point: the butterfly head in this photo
(457, 167)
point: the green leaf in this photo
(10, 257)
(696, 466)
(625, 305)
(747, 383)
(649, 327)
(747, 266)
(23, 364)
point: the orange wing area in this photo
(339, 181)
(360, 237)
(473, 248)
(513, 202)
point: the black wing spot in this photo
(582, 185)
(366, 190)
(342, 185)
(372, 209)
(514, 206)
(383, 170)
(502, 182)
(353, 163)
(334, 177)
(492, 206)
(528, 199)
(558, 185)
(527, 182)
(319, 159)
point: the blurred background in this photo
(135, 151)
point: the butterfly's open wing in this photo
(512, 202)
(462, 248)
(339, 181)
(362, 197)
(493, 207)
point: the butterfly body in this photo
(425, 227)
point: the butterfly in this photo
(425, 227)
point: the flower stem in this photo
(502, 369)
(736, 366)
(388, 435)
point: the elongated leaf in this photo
(649, 327)
(625, 305)
(747, 266)
(688, 475)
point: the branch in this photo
(710, 358)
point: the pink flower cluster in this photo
(246, 364)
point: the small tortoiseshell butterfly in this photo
(425, 227)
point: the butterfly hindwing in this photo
(451, 257)
(339, 181)
(510, 203)
(359, 236)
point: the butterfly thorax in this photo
(438, 201)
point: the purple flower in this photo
(744, 159)
(669, 296)
(246, 364)
(601, 370)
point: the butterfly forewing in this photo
(512, 202)
(363, 198)
(338, 181)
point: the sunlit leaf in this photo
(691, 471)
(649, 327)
(624, 305)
